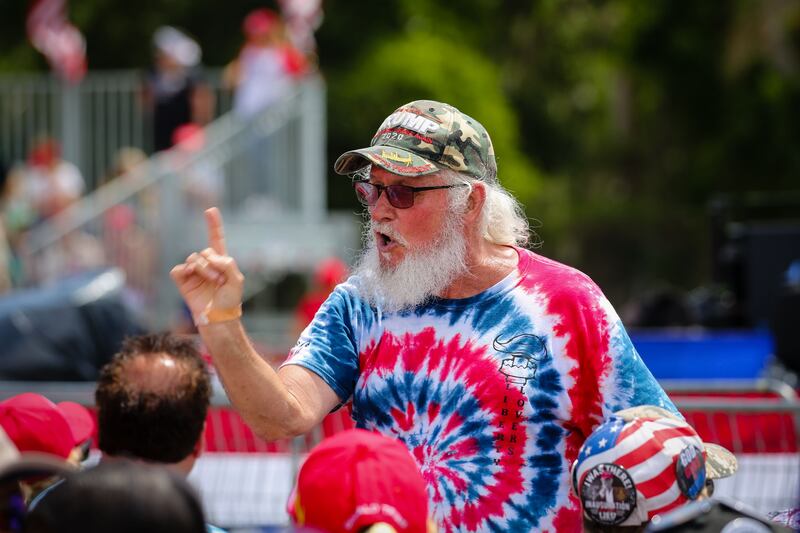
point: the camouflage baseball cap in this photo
(422, 134)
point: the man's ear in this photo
(200, 445)
(475, 201)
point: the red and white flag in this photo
(62, 44)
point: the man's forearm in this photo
(256, 391)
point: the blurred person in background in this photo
(175, 91)
(38, 190)
(35, 424)
(17, 216)
(152, 401)
(264, 71)
(201, 182)
(491, 363)
(122, 497)
(267, 65)
(359, 481)
(642, 462)
(126, 159)
(46, 183)
(302, 20)
(129, 228)
(328, 274)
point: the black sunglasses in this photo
(400, 196)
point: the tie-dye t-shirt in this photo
(493, 394)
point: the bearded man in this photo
(489, 362)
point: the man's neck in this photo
(487, 265)
(182, 467)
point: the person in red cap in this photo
(357, 480)
(267, 65)
(328, 274)
(35, 424)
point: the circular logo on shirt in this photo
(608, 494)
(690, 471)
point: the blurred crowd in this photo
(122, 465)
(178, 102)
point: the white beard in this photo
(421, 275)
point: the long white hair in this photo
(503, 220)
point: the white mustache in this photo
(389, 231)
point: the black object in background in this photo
(66, 331)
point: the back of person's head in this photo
(642, 462)
(152, 399)
(122, 497)
(360, 481)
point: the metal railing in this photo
(266, 173)
(92, 120)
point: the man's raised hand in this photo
(209, 281)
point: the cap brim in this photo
(395, 160)
(80, 420)
(720, 462)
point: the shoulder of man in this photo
(728, 516)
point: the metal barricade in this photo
(760, 423)
(244, 481)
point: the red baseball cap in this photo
(35, 424)
(357, 478)
(21, 466)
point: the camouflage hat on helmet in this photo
(423, 136)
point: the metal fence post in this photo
(71, 127)
(313, 190)
(171, 228)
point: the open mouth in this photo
(385, 242)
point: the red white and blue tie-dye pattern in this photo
(493, 394)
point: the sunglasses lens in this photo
(400, 196)
(366, 192)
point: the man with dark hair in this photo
(152, 401)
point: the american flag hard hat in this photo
(641, 462)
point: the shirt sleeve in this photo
(628, 381)
(329, 345)
(612, 376)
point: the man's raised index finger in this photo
(216, 234)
